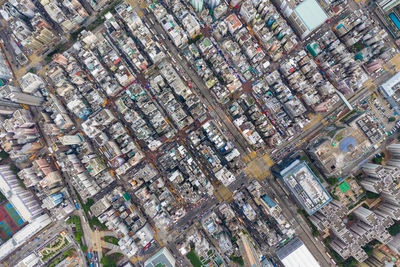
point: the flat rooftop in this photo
(295, 254)
(305, 186)
(391, 85)
(311, 13)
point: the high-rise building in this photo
(305, 186)
(197, 5)
(14, 94)
(212, 3)
(31, 82)
(394, 150)
(248, 11)
(388, 5)
(42, 37)
(379, 178)
(390, 209)
(28, 99)
(23, 200)
(5, 72)
(8, 107)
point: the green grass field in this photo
(194, 259)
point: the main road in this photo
(239, 141)
(289, 209)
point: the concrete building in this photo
(31, 261)
(339, 149)
(70, 139)
(27, 99)
(379, 178)
(305, 186)
(5, 72)
(304, 17)
(14, 94)
(247, 11)
(389, 88)
(211, 4)
(197, 5)
(162, 258)
(295, 254)
(394, 150)
(390, 209)
(23, 200)
(388, 5)
(31, 82)
(23, 235)
(191, 25)
(41, 38)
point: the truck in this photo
(76, 206)
(90, 255)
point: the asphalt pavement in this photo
(303, 231)
(240, 142)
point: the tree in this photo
(88, 204)
(315, 232)
(111, 260)
(394, 229)
(372, 195)
(331, 180)
(392, 119)
(377, 160)
(237, 259)
(3, 155)
(111, 239)
(108, 261)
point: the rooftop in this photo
(162, 258)
(305, 186)
(311, 13)
(295, 253)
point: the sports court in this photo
(10, 221)
(344, 187)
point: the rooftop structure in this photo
(389, 88)
(24, 235)
(295, 253)
(304, 18)
(305, 186)
(340, 148)
(388, 5)
(23, 201)
(311, 14)
(162, 258)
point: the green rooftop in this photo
(126, 196)
(344, 187)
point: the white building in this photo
(24, 235)
(295, 254)
(162, 258)
(30, 83)
(191, 25)
(70, 139)
(23, 200)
